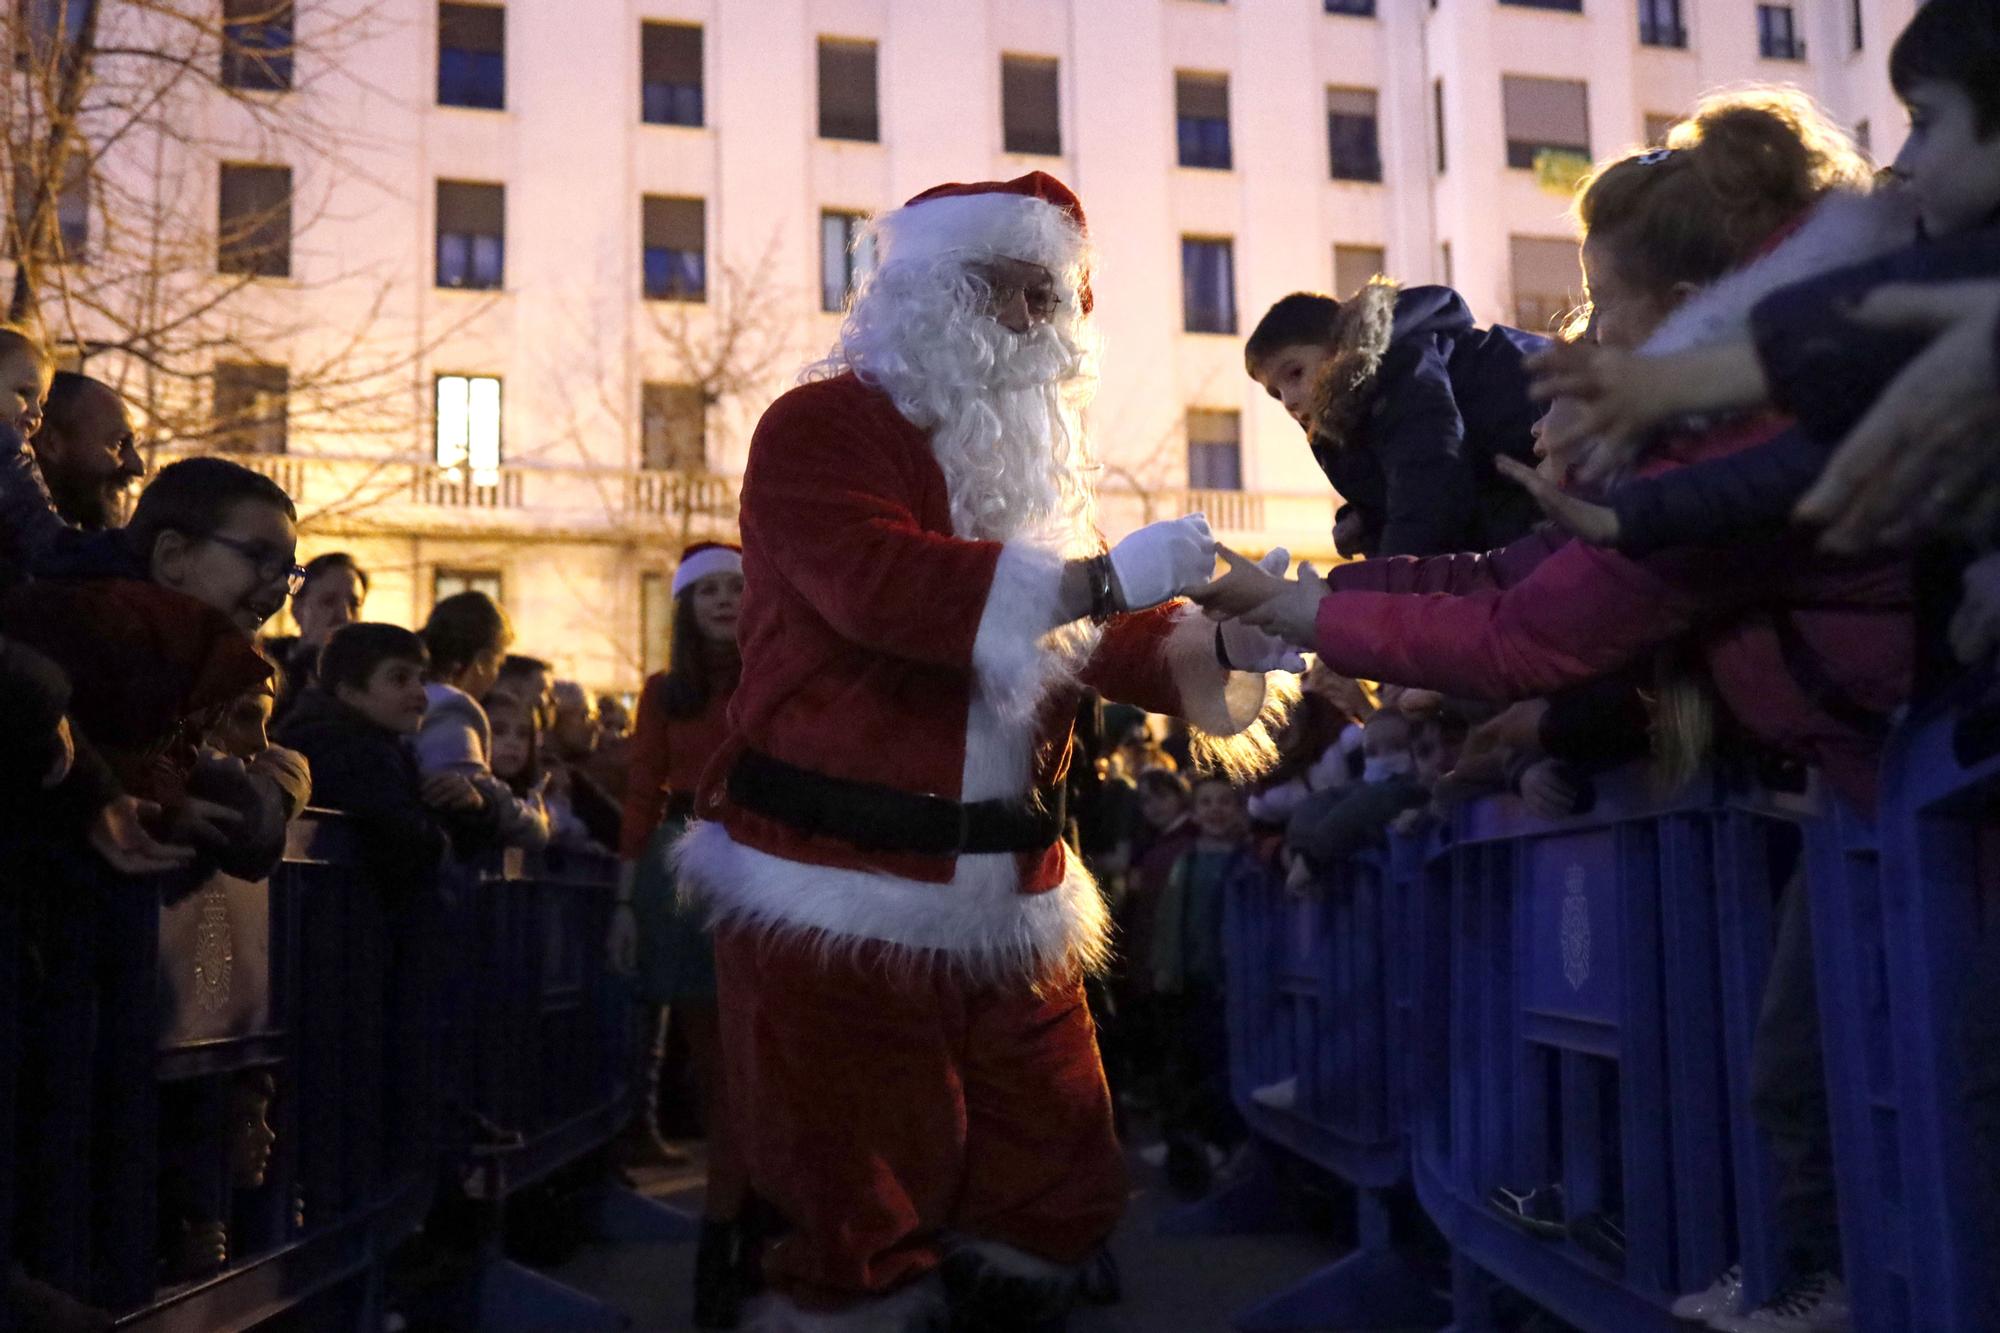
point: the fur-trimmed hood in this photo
(1344, 389)
(1842, 230)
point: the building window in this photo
(1444, 249)
(1361, 9)
(1660, 23)
(1353, 146)
(1030, 106)
(1544, 116)
(1214, 450)
(1354, 265)
(675, 258)
(1777, 34)
(47, 23)
(65, 237)
(1201, 113)
(656, 620)
(254, 232)
(1547, 280)
(472, 55)
(250, 408)
(1208, 285)
(451, 582)
(468, 426)
(1567, 6)
(471, 235)
(846, 254)
(257, 45)
(1437, 119)
(847, 103)
(673, 428)
(670, 73)
(1658, 128)
(1864, 138)
(1856, 35)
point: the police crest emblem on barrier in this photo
(214, 950)
(1575, 929)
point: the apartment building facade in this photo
(600, 236)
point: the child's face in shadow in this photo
(513, 741)
(394, 699)
(1161, 808)
(1289, 374)
(244, 731)
(1218, 811)
(1949, 167)
(251, 1137)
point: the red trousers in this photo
(887, 1111)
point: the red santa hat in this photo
(1035, 218)
(705, 558)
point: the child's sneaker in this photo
(1723, 1297)
(1283, 1096)
(1813, 1304)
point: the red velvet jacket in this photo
(1787, 634)
(890, 651)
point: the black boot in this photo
(718, 1285)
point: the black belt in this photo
(875, 818)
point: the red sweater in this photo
(667, 757)
(1784, 630)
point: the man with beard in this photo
(901, 934)
(87, 451)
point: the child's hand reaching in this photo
(1594, 523)
(1287, 609)
(1618, 406)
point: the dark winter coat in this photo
(37, 694)
(370, 773)
(1411, 412)
(1336, 824)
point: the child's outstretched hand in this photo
(1616, 407)
(1594, 523)
(1246, 586)
(1285, 609)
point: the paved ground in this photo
(1172, 1284)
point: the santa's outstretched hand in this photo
(1163, 560)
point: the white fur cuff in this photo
(1017, 653)
(913, 1309)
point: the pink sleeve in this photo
(1458, 574)
(1580, 613)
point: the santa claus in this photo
(901, 934)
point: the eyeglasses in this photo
(270, 565)
(1040, 295)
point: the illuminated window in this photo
(468, 426)
(844, 258)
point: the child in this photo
(1198, 1120)
(1338, 823)
(28, 519)
(1809, 656)
(355, 725)
(1407, 405)
(467, 636)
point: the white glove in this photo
(1163, 560)
(1251, 649)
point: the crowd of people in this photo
(1737, 516)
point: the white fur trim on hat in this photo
(714, 560)
(1011, 225)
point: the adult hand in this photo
(1161, 561)
(118, 835)
(203, 823)
(451, 792)
(1251, 649)
(1924, 454)
(1616, 410)
(289, 770)
(1975, 626)
(1593, 523)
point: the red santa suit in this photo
(912, 1063)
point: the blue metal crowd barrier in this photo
(1318, 1008)
(159, 1022)
(1906, 935)
(1589, 989)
